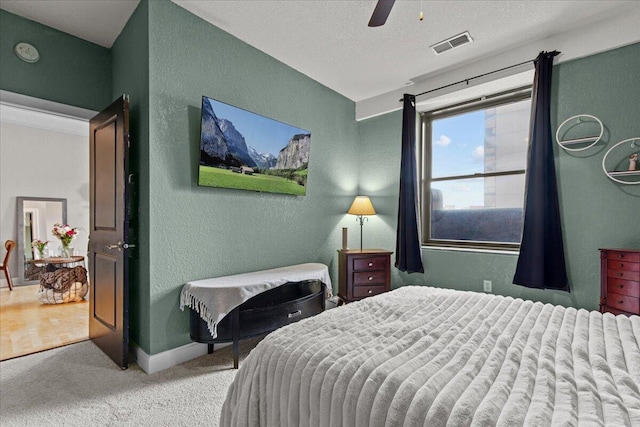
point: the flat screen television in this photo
(246, 151)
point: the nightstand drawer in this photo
(614, 264)
(369, 278)
(368, 264)
(623, 256)
(368, 291)
(623, 274)
(624, 287)
(623, 302)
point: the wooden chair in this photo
(8, 245)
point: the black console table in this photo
(262, 314)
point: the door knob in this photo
(120, 246)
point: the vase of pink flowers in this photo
(65, 234)
(40, 247)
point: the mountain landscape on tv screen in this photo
(222, 146)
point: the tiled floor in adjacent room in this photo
(27, 326)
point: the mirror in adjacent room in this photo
(36, 217)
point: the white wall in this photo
(43, 155)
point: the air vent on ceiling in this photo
(452, 42)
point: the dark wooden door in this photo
(109, 231)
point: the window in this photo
(474, 157)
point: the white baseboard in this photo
(158, 362)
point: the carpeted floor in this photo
(78, 385)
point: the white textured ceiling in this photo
(97, 21)
(329, 40)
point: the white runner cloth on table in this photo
(215, 298)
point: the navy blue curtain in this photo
(541, 262)
(408, 245)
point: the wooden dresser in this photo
(363, 273)
(620, 281)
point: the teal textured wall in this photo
(595, 211)
(199, 232)
(130, 54)
(70, 71)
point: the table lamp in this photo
(361, 206)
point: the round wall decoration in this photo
(27, 52)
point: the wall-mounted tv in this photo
(246, 151)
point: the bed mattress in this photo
(434, 357)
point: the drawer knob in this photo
(620, 302)
(620, 286)
(370, 278)
(295, 314)
(621, 265)
(370, 291)
(620, 274)
(370, 264)
(620, 256)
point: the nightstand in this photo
(363, 273)
(620, 281)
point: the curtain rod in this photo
(478, 76)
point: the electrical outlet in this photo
(487, 285)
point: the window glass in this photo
(473, 189)
(478, 209)
(487, 140)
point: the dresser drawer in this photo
(624, 287)
(623, 302)
(614, 264)
(369, 278)
(368, 291)
(623, 256)
(369, 264)
(623, 274)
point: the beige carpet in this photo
(78, 385)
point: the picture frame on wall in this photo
(243, 150)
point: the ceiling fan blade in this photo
(381, 13)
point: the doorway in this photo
(42, 154)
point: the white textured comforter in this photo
(425, 356)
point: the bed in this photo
(420, 356)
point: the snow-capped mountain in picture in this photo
(263, 160)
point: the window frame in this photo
(425, 153)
